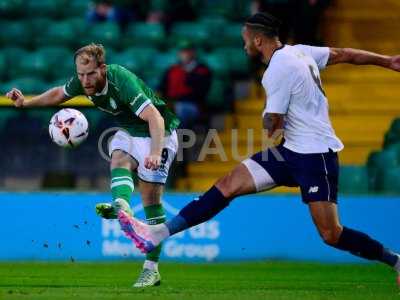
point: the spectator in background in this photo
(119, 11)
(186, 85)
(100, 11)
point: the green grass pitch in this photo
(255, 280)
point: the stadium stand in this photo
(149, 34)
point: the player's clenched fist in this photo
(152, 162)
(395, 63)
(16, 96)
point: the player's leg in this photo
(238, 182)
(263, 171)
(252, 175)
(122, 164)
(317, 175)
(325, 217)
(151, 186)
(121, 186)
(151, 198)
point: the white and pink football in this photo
(68, 128)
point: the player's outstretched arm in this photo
(51, 97)
(362, 57)
(157, 131)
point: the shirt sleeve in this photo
(278, 83)
(73, 88)
(134, 95)
(319, 54)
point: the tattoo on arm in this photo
(337, 55)
(272, 122)
(357, 57)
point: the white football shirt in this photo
(293, 87)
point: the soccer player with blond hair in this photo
(146, 142)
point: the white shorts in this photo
(139, 149)
(261, 178)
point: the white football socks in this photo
(158, 233)
(151, 265)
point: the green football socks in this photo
(121, 184)
(154, 215)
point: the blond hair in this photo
(95, 52)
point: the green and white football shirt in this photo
(125, 96)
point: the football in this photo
(68, 128)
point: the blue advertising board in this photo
(64, 226)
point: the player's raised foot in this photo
(144, 236)
(148, 278)
(110, 210)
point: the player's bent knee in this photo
(226, 186)
(120, 159)
(330, 236)
(238, 182)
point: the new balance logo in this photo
(313, 189)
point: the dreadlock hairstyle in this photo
(264, 23)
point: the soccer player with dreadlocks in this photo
(308, 155)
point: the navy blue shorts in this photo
(316, 174)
